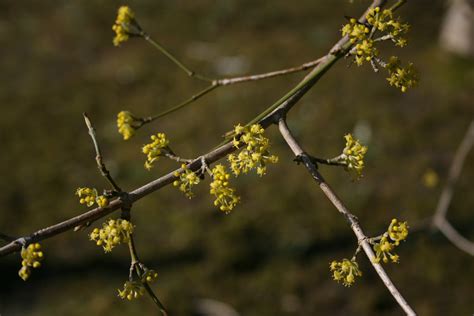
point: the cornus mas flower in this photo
(364, 50)
(149, 276)
(112, 233)
(123, 24)
(226, 199)
(254, 153)
(125, 121)
(355, 30)
(31, 255)
(131, 290)
(187, 179)
(383, 251)
(385, 22)
(154, 149)
(402, 78)
(89, 196)
(353, 155)
(397, 231)
(358, 33)
(345, 271)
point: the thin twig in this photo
(216, 83)
(180, 105)
(135, 263)
(439, 219)
(303, 67)
(361, 237)
(98, 158)
(330, 162)
(170, 56)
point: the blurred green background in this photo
(271, 255)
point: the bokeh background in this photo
(271, 255)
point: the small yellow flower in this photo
(149, 276)
(155, 149)
(89, 196)
(187, 179)
(126, 124)
(112, 233)
(353, 155)
(383, 251)
(31, 255)
(345, 271)
(226, 199)
(254, 153)
(397, 231)
(402, 78)
(123, 24)
(131, 290)
(102, 201)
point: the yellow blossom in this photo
(89, 196)
(254, 153)
(126, 124)
(186, 180)
(353, 155)
(383, 251)
(155, 149)
(131, 290)
(112, 233)
(397, 231)
(123, 23)
(149, 276)
(402, 78)
(345, 271)
(226, 199)
(31, 257)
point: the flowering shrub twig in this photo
(439, 219)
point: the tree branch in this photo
(439, 219)
(98, 157)
(352, 220)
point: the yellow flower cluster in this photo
(187, 179)
(384, 22)
(383, 251)
(397, 231)
(345, 271)
(125, 121)
(402, 78)
(254, 154)
(89, 196)
(155, 149)
(112, 233)
(355, 30)
(31, 255)
(125, 17)
(226, 198)
(149, 276)
(131, 290)
(362, 34)
(365, 48)
(353, 155)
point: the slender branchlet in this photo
(351, 219)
